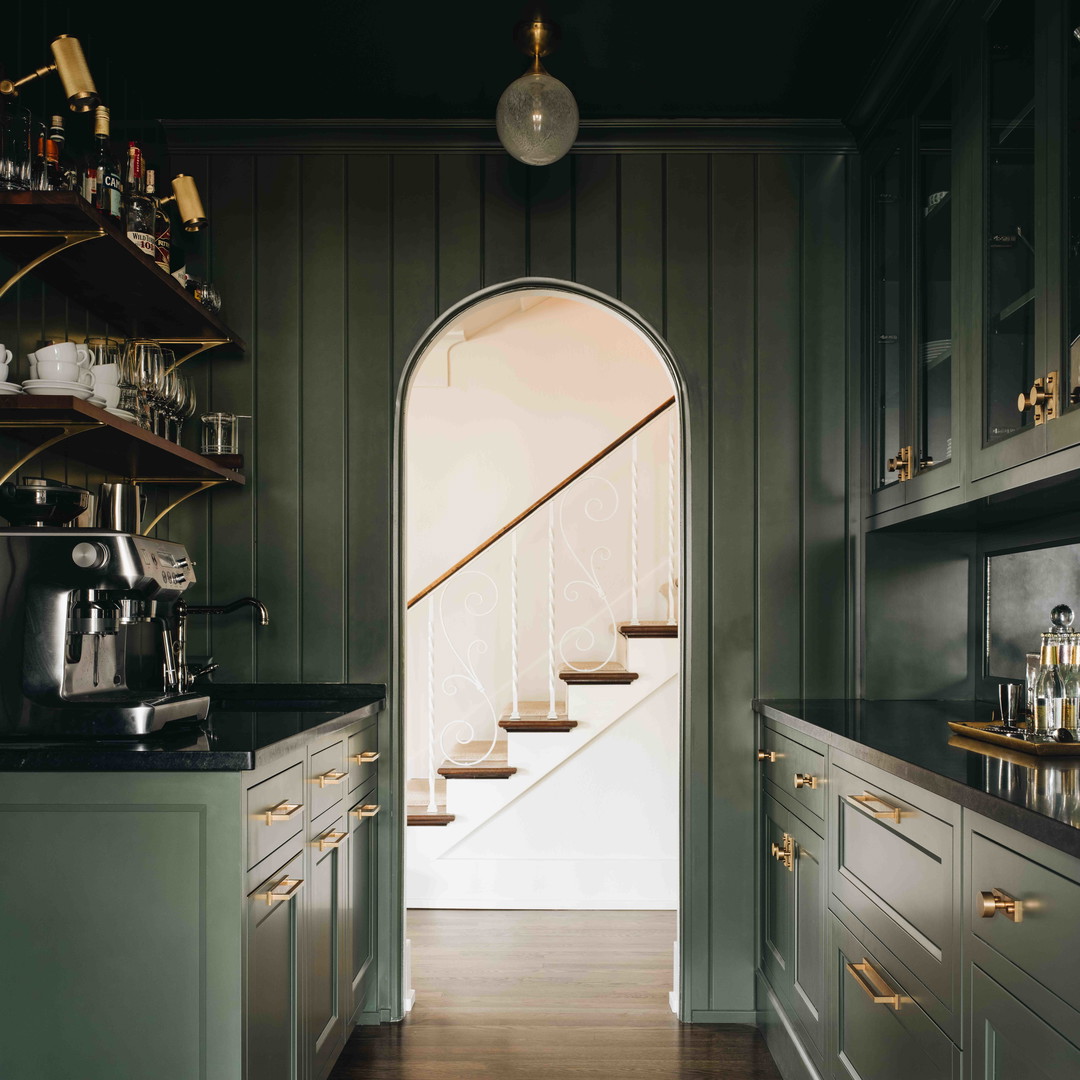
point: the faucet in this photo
(183, 609)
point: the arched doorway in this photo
(463, 741)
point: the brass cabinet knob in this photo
(901, 464)
(805, 780)
(784, 852)
(766, 755)
(1034, 397)
(990, 903)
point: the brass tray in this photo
(1044, 747)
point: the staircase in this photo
(475, 748)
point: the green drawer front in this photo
(874, 1040)
(326, 778)
(363, 755)
(795, 763)
(897, 878)
(1010, 1042)
(266, 834)
(1049, 928)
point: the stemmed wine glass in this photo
(145, 362)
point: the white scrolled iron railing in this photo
(569, 576)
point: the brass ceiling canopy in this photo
(537, 37)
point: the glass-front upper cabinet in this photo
(912, 370)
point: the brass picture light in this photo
(188, 203)
(70, 63)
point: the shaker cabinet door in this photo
(1010, 1042)
(361, 899)
(273, 975)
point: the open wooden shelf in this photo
(112, 444)
(108, 275)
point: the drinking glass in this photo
(186, 405)
(15, 157)
(166, 379)
(145, 362)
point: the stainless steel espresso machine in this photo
(88, 628)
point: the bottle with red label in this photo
(138, 206)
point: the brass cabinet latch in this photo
(1043, 398)
(990, 903)
(901, 464)
(784, 852)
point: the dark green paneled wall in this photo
(333, 265)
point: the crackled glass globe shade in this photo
(537, 118)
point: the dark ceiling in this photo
(422, 60)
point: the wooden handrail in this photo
(561, 486)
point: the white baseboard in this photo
(409, 998)
(570, 903)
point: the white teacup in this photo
(4, 369)
(106, 374)
(65, 352)
(56, 371)
(86, 377)
(5, 355)
(111, 395)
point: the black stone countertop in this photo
(247, 725)
(912, 739)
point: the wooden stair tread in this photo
(649, 630)
(594, 672)
(420, 815)
(485, 770)
(537, 723)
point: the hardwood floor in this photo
(538, 995)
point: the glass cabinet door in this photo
(889, 369)
(1071, 304)
(1009, 224)
(933, 327)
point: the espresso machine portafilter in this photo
(88, 627)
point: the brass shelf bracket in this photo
(67, 239)
(202, 344)
(203, 485)
(65, 432)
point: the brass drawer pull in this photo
(331, 777)
(283, 811)
(291, 887)
(784, 852)
(766, 755)
(365, 757)
(331, 839)
(990, 903)
(805, 780)
(367, 810)
(863, 803)
(874, 986)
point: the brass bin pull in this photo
(805, 780)
(990, 903)
(367, 810)
(873, 985)
(365, 757)
(290, 885)
(784, 852)
(283, 811)
(766, 755)
(331, 777)
(331, 839)
(864, 800)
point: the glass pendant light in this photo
(537, 116)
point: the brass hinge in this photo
(901, 464)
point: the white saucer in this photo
(53, 389)
(123, 414)
(10, 388)
(98, 401)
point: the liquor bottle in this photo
(1049, 690)
(101, 186)
(57, 173)
(138, 206)
(162, 225)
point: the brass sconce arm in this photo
(70, 63)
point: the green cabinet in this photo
(888, 946)
(362, 907)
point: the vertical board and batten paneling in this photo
(333, 264)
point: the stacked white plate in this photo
(10, 388)
(123, 414)
(49, 388)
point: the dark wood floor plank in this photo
(530, 995)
